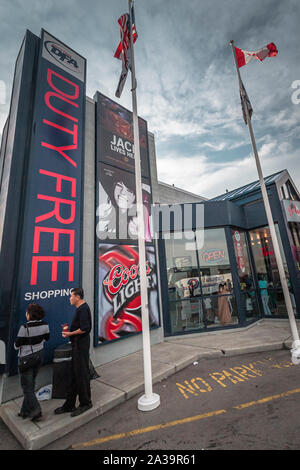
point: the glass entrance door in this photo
(269, 284)
(200, 290)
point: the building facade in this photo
(67, 176)
(225, 275)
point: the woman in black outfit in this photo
(30, 339)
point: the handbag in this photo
(30, 360)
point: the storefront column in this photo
(255, 278)
(164, 286)
(286, 243)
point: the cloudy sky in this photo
(187, 81)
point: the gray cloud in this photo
(187, 82)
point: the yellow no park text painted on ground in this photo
(190, 419)
(227, 377)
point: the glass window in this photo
(288, 192)
(292, 193)
(185, 303)
(214, 261)
(182, 266)
(283, 191)
(199, 303)
(264, 256)
(267, 271)
(186, 315)
(216, 278)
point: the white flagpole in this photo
(149, 400)
(296, 343)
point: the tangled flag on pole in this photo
(244, 57)
(123, 51)
(245, 102)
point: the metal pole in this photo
(287, 298)
(149, 400)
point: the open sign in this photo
(213, 255)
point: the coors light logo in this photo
(120, 286)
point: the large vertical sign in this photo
(50, 260)
(118, 300)
(116, 204)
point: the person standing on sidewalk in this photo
(30, 342)
(79, 335)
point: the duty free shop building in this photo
(229, 273)
(236, 251)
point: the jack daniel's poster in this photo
(115, 142)
(119, 302)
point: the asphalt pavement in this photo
(123, 378)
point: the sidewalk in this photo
(122, 379)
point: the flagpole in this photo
(296, 343)
(149, 400)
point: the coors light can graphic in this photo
(119, 302)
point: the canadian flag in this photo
(244, 57)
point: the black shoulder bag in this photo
(30, 360)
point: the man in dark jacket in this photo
(79, 335)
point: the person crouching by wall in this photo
(30, 344)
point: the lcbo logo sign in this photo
(61, 56)
(293, 210)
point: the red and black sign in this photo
(119, 291)
(118, 309)
(50, 263)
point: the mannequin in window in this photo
(223, 306)
(262, 283)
